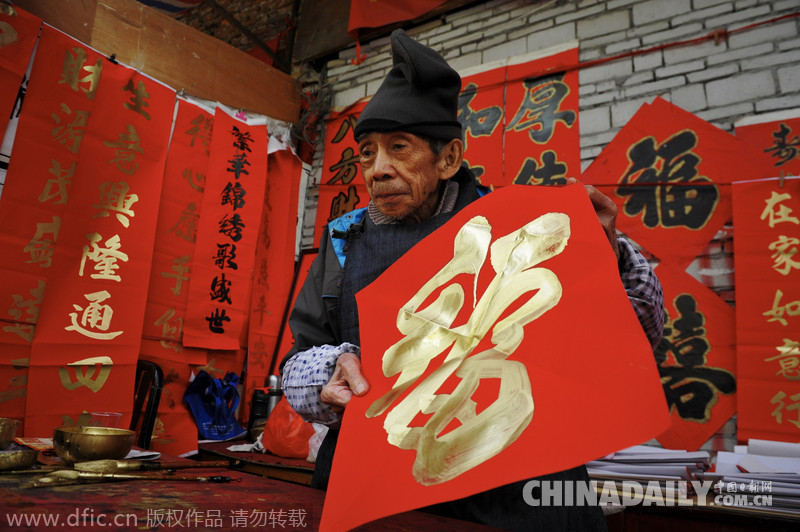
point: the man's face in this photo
(402, 175)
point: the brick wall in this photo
(751, 72)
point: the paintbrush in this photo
(112, 466)
(68, 476)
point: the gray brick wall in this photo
(751, 72)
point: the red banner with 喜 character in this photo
(341, 187)
(89, 331)
(18, 32)
(227, 235)
(767, 262)
(776, 134)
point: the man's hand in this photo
(606, 211)
(346, 381)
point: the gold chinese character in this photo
(138, 95)
(777, 311)
(789, 359)
(57, 188)
(180, 265)
(26, 323)
(172, 332)
(69, 133)
(90, 372)
(94, 316)
(430, 331)
(115, 197)
(105, 259)
(777, 399)
(40, 248)
(783, 214)
(125, 150)
(74, 63)
(785, 248)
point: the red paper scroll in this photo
(89, 332)
(778, 135)
(227, 235)
(341, 187)
(696, 360)
(274, 264)
(480, 111)
(18, 31)
(181, 201)
(664, 170)
(58, 104)
(542, 137)
(530, 374)
(767, 262)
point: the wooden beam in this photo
(173, 53)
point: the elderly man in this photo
(411, 154)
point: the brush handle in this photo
(160, 466)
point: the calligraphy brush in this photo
(68, 476)
(112, 466)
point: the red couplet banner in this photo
(492, 351)
(767, 261)
(778, 135)
(227, 235)
(89, 331)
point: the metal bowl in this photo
(17, 457)
(8, 430)
(81, 444)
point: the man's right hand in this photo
(346, 381)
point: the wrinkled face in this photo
(402, 174)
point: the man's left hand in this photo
(606, 211)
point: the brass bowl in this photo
(17, 457)
(8, 430)
(81, 444)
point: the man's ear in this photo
(450, 158)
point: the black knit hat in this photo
(419, 94)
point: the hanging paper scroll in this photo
(696, 360)
(89, 331)
(377, 13)
(18, 32)
(542, 137)
(519, 349)
(274, 265)
(227, 235)
(181, 200)
(480, 111)
(776, 134)
(665, 170)
(341, 187)
(767, 262)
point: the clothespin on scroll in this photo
(113, 59)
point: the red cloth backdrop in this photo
(89, 331)
(767, 262)
(274, 266)
(18, 31)
(776, 134)
(227, 235)
(481, 379)
(377, 13)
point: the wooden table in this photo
(265, 465)
(249, 503)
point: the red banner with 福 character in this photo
(767, 261)
(89, 332)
